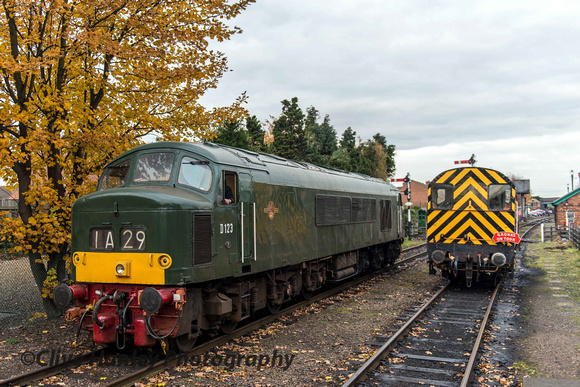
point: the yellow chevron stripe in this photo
(470, 223)
(472, 239)
(439, 223)
(473, 197)
(497, 177)
(470, 183)
(482, 177)
(459, 217)
(432, 214)
(491, 228)
(444, 178)
(460, 176)
(500, 223)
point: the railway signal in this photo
(407, 191)
(471, 161)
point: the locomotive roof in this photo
(496, 176)
(226, 155)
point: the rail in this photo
(378, 357)
(374, 361)
(128, 379)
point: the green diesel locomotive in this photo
(186, 238)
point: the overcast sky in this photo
(441, 80)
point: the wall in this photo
(573, 206)
(419, 195)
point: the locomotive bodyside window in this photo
(115, 176)
(195, 173)
(154, 167)
(499, 196)
(442, 196)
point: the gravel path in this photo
(315, 344)
(313, 347)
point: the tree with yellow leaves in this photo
(84, 80)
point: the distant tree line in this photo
(301, 137)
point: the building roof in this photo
(566, 197)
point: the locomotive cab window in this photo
(195, 173)
(442, 196)
(499, 196)
(228, 188)
(115, 176)
(154, 167)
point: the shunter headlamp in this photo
(438, 256)
(498, 259)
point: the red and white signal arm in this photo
(506, 237)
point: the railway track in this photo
(438, 344)
(149, 365)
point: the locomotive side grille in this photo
(202, 239)
(468, 213)
(386, 218)
(364, 210)
(332, 210)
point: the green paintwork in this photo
(286, 232)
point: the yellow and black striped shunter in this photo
(471, 224)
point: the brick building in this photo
(9, 201)
(419, 195)
(570, 204)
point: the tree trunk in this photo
(39, 271)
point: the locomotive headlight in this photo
(498, 259)
(123, 269)
(438, 256)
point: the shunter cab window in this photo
(195, 173)
(154, 167)
(115, 176)
(442, 196)
(499, 196)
